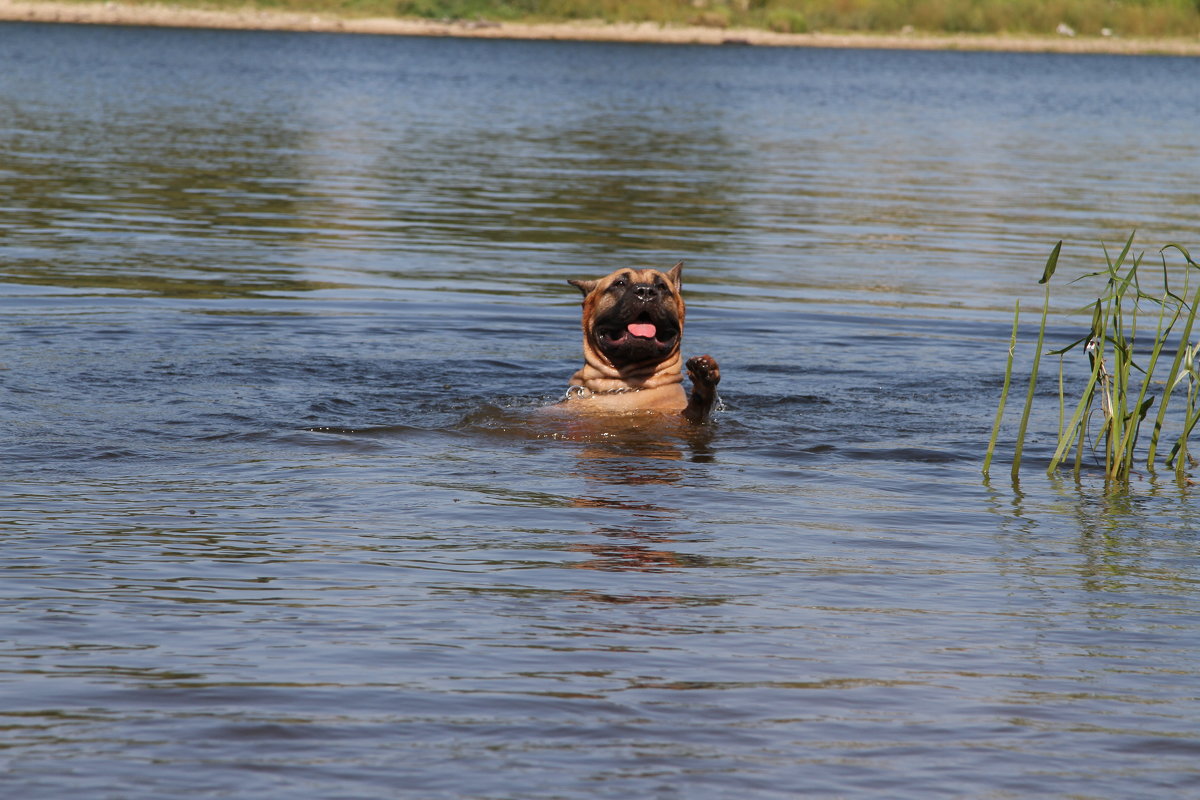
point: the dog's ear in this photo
(584, 286)
(676, 275)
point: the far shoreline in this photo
(115, 13)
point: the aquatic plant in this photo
(1109, 414)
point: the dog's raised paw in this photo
(704, 371)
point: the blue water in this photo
(281, 517)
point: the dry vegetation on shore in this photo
(1114, 26)
(1136, 18)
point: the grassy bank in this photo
(1117, 18)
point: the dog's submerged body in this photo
(632, 328)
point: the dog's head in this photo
(633, 317)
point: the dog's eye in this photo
(619, 282)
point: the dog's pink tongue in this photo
(643, 330)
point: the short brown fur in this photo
(632, 329)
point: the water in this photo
(281, 516)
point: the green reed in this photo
(1108, 415)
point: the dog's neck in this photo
(600, 377)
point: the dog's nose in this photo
(645, 291)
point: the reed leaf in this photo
(1185, 337)
(1143, 403)
(1052, 263)
(1075, 430)
(1047, 273)
(1012, 346)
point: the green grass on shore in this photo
(1127, 18)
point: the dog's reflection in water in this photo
(635, 465)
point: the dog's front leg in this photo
(705, 375)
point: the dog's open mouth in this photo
(640, 338)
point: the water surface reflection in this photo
(285, 515)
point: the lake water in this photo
(280, 517)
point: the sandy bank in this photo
(113, 13)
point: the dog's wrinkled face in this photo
(633, 316)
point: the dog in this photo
(632, 327)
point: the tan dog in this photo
(632, 326)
